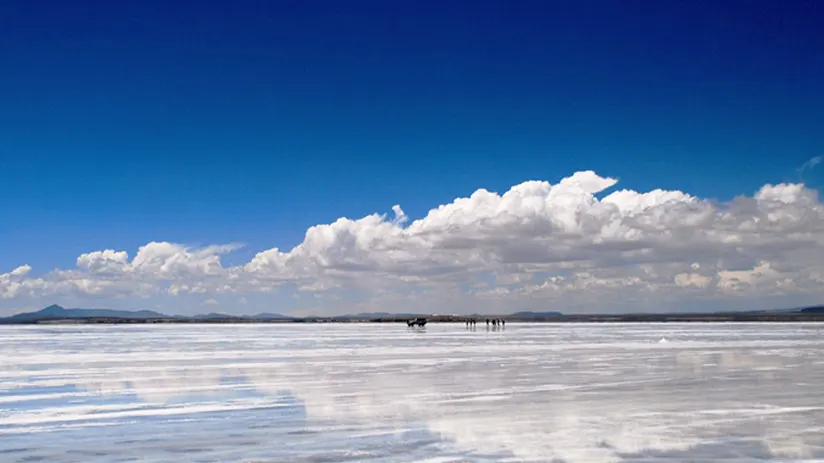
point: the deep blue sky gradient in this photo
(210, 122)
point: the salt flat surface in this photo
(386, 393)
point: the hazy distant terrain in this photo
(383, 393)
(58, 314)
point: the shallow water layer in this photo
(387, 393)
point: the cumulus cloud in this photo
(15, 283)
(567, 246)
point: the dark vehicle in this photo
(416, 322)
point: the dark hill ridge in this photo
(226, 316)
(214, 315)
(817, 309)
(57, 312)
(370, 315)
(269, 316)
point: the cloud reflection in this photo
(535, 393)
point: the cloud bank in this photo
(566, 246)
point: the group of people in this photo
(495, 322)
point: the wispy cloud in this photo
(809, 164)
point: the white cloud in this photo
(809, 164)
(692, 279)
(102, 262)
(537, 246)
(21, 271)
(16, 283)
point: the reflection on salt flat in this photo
(537, 393)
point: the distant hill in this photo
(808, 310)
(215, 315)
(56, 312)
(817, 309)
(269, 316)
(759, 311)
(379, 315)
(260, 316)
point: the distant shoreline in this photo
(633, 318)
(55, 314)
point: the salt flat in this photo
(386, 393)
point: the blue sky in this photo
(249, 122)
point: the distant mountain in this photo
(811, 309)
(528, 314)
(757, 311)
(269, 316)
(817, 309)
(260, 316)
(215, 315)
(366, 315)
(57, 312)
